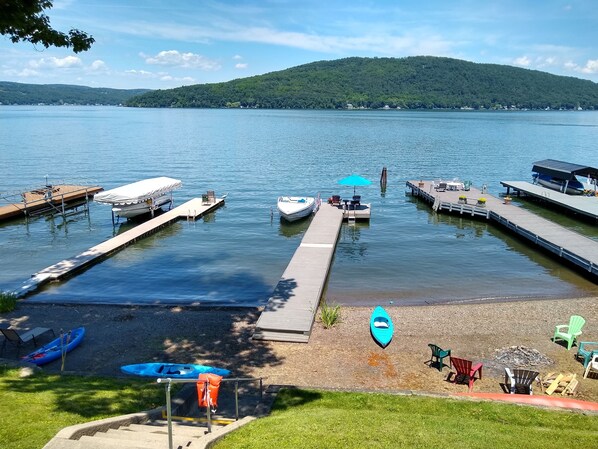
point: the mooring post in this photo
(383, 179)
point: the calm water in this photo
(406, 255)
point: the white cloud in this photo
(241, 66)
(98, 66)
(237, 57)
(142, 73)
(177, 59)
(56, 63)
(590, 67)
(27, 73)
(416, 41)
(522, 61)
(162, 76)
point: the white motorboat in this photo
(293, 208)
(140, 197)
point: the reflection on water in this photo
(293, 228)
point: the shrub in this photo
(8, 301)
(330, 315)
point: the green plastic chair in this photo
(439, 354)
(572, 330)
(586, 350)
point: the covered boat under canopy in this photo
(139, 191)
(139, 197)
(563, 170)
(562, 176)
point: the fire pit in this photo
(521, 357)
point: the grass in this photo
(8, 301)
(317, 419)
(330, 315)
(33, 409)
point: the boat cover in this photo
(139, 191)
(563, 170)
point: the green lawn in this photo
(33, 409)
(317, 419)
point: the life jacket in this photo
(208, 397)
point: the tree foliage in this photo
(420, 82)
(58, 94)
(24, 20)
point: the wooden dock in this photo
(291, 310)
(567, 245)
(361, 212)
(583, 205)
(191, 210)
(56, 198)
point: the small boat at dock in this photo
(293, 208)
(140, 197)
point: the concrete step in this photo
(137, 436)
(162, 428)
(91, 443)
(105, 441)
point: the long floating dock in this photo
(583, 205)
(290, 312)
(191, 210)
(562, 242)
(55, 198)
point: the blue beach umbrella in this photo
(354, 180)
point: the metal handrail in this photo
(169, 381)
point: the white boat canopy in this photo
(139, 191)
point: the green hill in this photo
(420, 82)
(54, 94)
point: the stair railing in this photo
(169, 381)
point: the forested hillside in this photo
(54, 94)
(420, 82)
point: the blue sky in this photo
(158, 44)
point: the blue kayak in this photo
(54, 350)
(381, 326)
(172, 370)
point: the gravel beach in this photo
(343, 357)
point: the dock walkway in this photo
(584, 205)
(562, 242)
(190, 210)
(290, 312)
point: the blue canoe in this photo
(172, 370)
(381, 326)
(54, 350)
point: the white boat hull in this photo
(133, 210)
(293, 208)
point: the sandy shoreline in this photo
(342, 357)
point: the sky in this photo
(155, 44)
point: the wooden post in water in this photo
(383, 179)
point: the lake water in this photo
(406, 255)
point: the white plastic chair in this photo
(592, 366)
